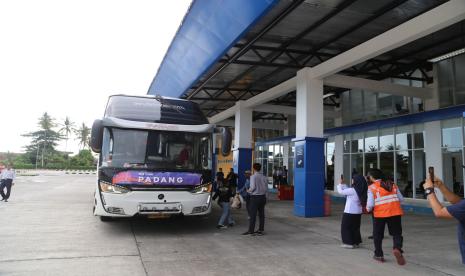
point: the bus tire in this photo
(105, 218)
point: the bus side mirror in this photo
(226, 140)
(96, 136)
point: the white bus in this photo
(156, 158)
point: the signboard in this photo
(157, 178)
(299, 156)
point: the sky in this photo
(66, 57)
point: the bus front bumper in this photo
(152, 203)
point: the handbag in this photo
(236, 202)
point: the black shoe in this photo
(379, 259)
(370, 237)
(247, 233)
(258, 233)
(220, 226)
(6, 200)
(231, 224)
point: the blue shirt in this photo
(458, 212)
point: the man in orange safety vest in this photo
(384, 200)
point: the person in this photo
(456, 210)
(275, 177)
(220, 175)
(183, 157)
(7, 177)
(257, 190)
(351, 219)
(285, 174)
(243, 192)
(384, 200)
(224, 193)
(232, 178)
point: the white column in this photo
(433, 150)
(242, 127)
(309, 106)
(338, 158)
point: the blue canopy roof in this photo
(207, 32)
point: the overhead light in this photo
(448, 55)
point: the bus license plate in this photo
(160, 208)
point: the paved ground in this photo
(47, 229)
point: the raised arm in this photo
(344, 190)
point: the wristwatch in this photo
(429, 191)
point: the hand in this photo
(438, 182)
(428, 184)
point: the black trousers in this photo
(257, 205)
(247, 204)
(395, 230)
(6, 183)
(350, 229)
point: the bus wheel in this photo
(105, 218)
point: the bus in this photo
(156, 158)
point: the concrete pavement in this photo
(48, 228)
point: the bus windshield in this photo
(153, 149)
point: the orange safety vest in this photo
(387, 204)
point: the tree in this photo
(83, 158)
(43, 141)
(83, 135)
(66, 129)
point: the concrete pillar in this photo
(309, 165)
(433, 151)
(242, 151)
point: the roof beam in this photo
(259, 125)
(438, 18)
(378, 86)
(266, 96)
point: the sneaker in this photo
(220, 226)
(399, 257)
(247, 233)
(6, 200)
(231, 224)
(347, 246)
(258, 233)
(370, 237)
(356, 245)
(379, 259)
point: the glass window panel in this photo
(357, 164)
(418, 136)
(386, 139)
(384, 105)
(404, 174)
(419, 169)
(445, 82)
(330, 147)
(452, 133)
(346, 143)
(404, 137)
(270, 151)
(346, 167)
(357, 142)
(371, 161)
(386, 165)
(371, 141)
(357, 106)
(459, 63)
(370, 103)
(452, 170)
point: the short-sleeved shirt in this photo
(458, 212)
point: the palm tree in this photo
(67, 129)
(83, 135)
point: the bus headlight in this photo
(204, 188)
(110, 188)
